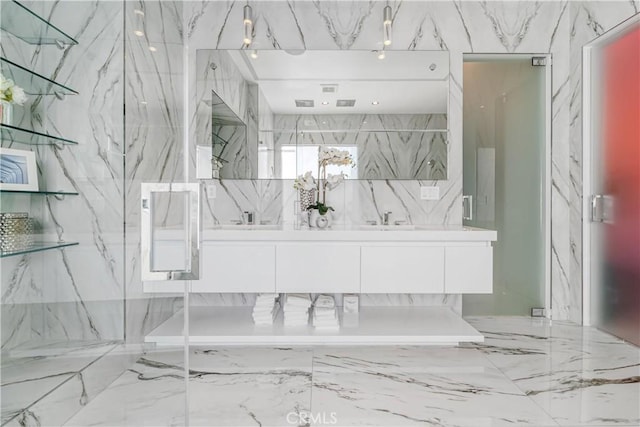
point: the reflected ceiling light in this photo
(248, 25)
(254, 54)
(152, 49)
(386, 25)
(381, 54)
(138, 33)
(325, 102)
(138, 12)
(375, 102)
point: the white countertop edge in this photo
(433, 233)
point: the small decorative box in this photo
(350, 303)
(16, 231)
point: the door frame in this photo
(587, 143)
(546, 214)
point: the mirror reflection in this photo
(265, 114)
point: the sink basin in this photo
(405, 227)
(248, 227)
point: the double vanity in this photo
(345, 259)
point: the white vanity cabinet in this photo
(395, 269)
(318, 267)
(431, 261)
(468, 269)
(436, 260)
(232, 267)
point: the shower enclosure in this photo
(506, 161)
(73, 310)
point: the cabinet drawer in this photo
(411, 269)
(469, 270)
(318, 268)
(236, 268)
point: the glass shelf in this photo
(33, 83)
(38, 247)
(27, 26)
(24, 136)
(44, 193)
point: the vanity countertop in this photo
(356, 233)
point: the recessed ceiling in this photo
(402, 83)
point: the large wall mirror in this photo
(266, 113)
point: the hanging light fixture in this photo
(248, 25)
(386, 25)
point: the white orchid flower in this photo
(334, 180)
(11, 93)
(305, 182)
(19, 96)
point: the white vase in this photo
(7, 113)
(319, 221)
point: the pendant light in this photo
(248, 25)
(386, 25)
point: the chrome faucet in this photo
(385, 217)
(247, 218)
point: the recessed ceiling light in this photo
(324, 123)
(325, 102)
(482, 107)
(152, 49)
(364, 123)
(433, 67)
(143, 102)
(138, 33)
(304, 102)
(375, 102)
(345, 102)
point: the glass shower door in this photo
(504, 176)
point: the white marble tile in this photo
(448, 386)
(229, 386)
(580, 376)
(37, 380)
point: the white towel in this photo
(298, 300)
(325, 301)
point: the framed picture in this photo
(18, 170)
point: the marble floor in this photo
(60, 374)
(528, 372)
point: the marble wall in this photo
(53, 295)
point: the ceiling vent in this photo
(304, 102)
(329, 88)
(345, 102)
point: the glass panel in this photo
(45, 193)
(615, 154)
(37, 247)
(33, 83)
(26, 25)
(503, 155)
(11, 134)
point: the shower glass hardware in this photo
(467, 208)
(160, 260)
